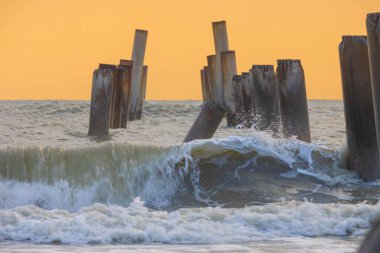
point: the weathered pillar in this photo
(221, 44)
(127, 66)
(208, 91)
(373, 37)
(228, 59)
(248, 100)
(203, 79)
(102, 86)
(138, 54)
(293, 100)
(142, 92)
(358, 107)
(215, 90)
(267, 108)
(237, 84)
(116, 100)
(207, 122)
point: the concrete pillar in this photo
(237, 84)
(358, 107)
(265, 91)
(207, 84)
(127, 66)
(373, 37)
(207, 122)
(293, 100)
(102, 87)
(203, 80)
(248, 101)
(229, 69)
(215, 90)
(138, 54)
(221, 44)
(116, 100)
(142, 92)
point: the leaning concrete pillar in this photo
(229, 70)
(266, 98)
(127, 66)
(373, 36)
(221, 44)
(293, 100)
(358, 107)
(102, 87)
(207, 122)
(138, 54)
(142, 92)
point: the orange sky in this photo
(49, 48)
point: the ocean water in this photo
(141, 190)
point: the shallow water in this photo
(141, 190)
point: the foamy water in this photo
(141, 190)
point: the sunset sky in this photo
(49, 48)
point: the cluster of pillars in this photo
(118, 91)
(261, 97)
(360, 72)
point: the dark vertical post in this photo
(102, 87)
(221, 44)
(127, 66)
(203, 83)
(142, 92)
(358, 107)
(266, 98)
(116, 100)
(248, 101)
(237, 84)
(138, 54)
(214, 89)
(293, 100)
(373, 36)
(207, 122)
(207, 84)
(229, 69)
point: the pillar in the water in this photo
(138, 54)
(248, 100)
(142, 92)
(237, 84)
(266, 98)
(102, 87)
(221, 44)
(293, 100)
(203, 83)
(207, 84)
(228, 71)
(116, 100)
(215, 90)
(358, 107)
(373, 37)
(127, 76)
(207, 122)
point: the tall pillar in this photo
(127, 66)
(229, 69)
(142, 92)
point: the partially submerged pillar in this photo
(248, 109)
(358, 107)
(126, 65)
(293, 100)
(267, 108)
(116, 100)
(102, 87)
(203, 80)
(373, 37)
(138, 54)
(207, 122)
(229, 69)
(214, 90)
(237, 83)
(142, 92)
(221, 44)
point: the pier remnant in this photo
(293, 100)
(238, 94)
(228, 59)
(207, 122)
(142, 92)
(203, 83)
(373, 37)
(138, 54)
(126, 65)
(267, 111)
(102, 90)
(358, 107)
(213, 88)
(116, 100)
(221, 44)
(248, 100)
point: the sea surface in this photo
(141, 190)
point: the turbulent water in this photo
(140, 189)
